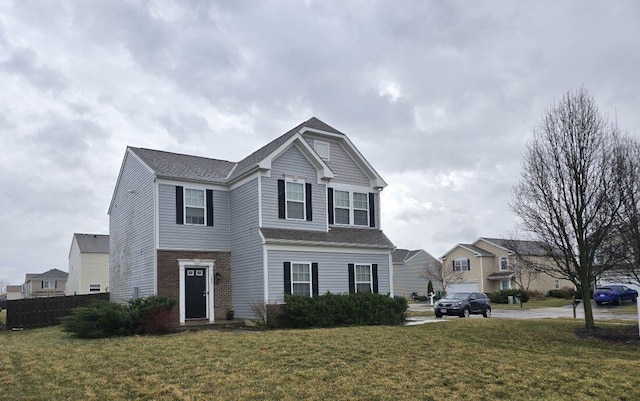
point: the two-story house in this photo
(494, 264)
(48, 284)
(411, 271)
(300, 215)
(88, 264)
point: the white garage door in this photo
(462, 287)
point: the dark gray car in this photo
(463, 304)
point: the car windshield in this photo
(458, 295)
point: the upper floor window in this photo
(504, 263)
(461, 265)
(48, 284)
(351, 207)
(322, 148)
(94, 287)
(295, 200)
(194, 206)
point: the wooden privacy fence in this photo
(39, 312)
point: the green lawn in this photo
(3, 316)
(462, 359)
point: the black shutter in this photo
(179, 205)
(330, 204)
(209, 208)
(42, 284)
(55, 284)
(281, 200)
(314, 279)
(287, 277)
(469, 264)
(308, 203)
(374, 277)
(372, 210)
(352, 278)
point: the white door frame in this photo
(208, 264)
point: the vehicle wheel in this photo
(466, 312)
(634, 299)
(619, 301)
(438, 315)
(598, 303)
(487, 312)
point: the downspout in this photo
(481, 275)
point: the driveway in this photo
(599, 313)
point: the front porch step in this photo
(194, 325)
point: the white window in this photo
(351, 207)
(194, 206)
(295, 200)
(322, 148)
(342, 206)
(504, 284)
(94, 287)
(504, 263)
(363, 278)
(48, 284)
(461, 265)
(301, 279)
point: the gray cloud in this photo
(439, 96)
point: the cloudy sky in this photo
(440, 97)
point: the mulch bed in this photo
(621, 335)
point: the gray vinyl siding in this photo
(131, 229)
(293, 163)
(246, 250)
(408, 278)
(345, 169)
(333, 273)
(192, 237)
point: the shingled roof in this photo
(337, 236)
(402, 255)
(92, 243)
(197, 168)
(522, 247)
(175, 165)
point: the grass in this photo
(479, 359)
(3, 316)
(535, 304)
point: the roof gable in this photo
(470, 248)
(523, 247)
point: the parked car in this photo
(463, 304)
(615, 294)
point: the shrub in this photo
(98, 320)
(564, 292)
(101, 319)
(151, 315)
(344, 310)
(502, 296)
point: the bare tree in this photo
(442, 273)
(567, 196)
(625, 243)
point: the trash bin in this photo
(510, 299)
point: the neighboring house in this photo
(48, 284)
(491, 264)
(88, 264)
(300, 215)
(14, 292)
(410, 272)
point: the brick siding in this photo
(169, 280)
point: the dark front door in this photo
(195, 293)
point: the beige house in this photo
(48, 284)
(88, 264)
(491, 264)
(14, 292)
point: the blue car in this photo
(615, 294)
